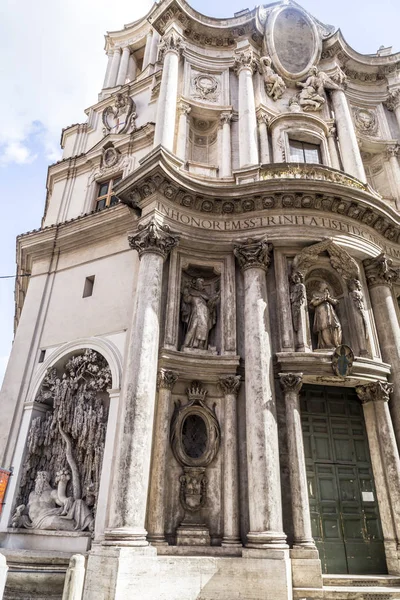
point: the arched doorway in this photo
(343, 504)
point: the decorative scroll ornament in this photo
(230, 385)
(312, 95)
(171, 42)
(153, 237)
(253, 254)
(393, 100)
(274, 84)
(377, 391)
(291, 382)
(342, 361)
(245, 60)
(206, 87)
(121, 117)
(66, 446)
(366, 121)
(379, 271)
(166, 379)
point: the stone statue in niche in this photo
(274, 84)
(198, 312)
(66, 446)
(326, 323)
(357, 297)
(298, 297)
(50, 508)
(312, 94)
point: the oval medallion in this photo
(194, 436)
(293, 41)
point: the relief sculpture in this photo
(274, 84)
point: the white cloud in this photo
(54, 64)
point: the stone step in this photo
(347, 593)
(361, 580)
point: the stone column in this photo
(3, 574)
(380, 275)
(263, 121)
(107, 75)
(132, 68)
(333, 151)
(147, 50)
(156, 513)
(74, 578)
(265, 508)
(167, 100)
(112, 80)
(245, 65)
(230, 387)
(225, 161)
(153, 243)
(123, 67)
(351, 156)
(154, 48)
(392, 153)
(184, 111)
(283, 302)
(375, 397)
(393, 103)
(291, 385)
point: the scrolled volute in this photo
(253, 254)
(154, 238)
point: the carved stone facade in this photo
(203, 397)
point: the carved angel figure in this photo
(50, 508)
(312, 95)
(199, 312)
(326, 322)
(274, 84)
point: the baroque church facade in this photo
(203, 396)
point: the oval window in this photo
(194, 436)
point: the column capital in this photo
(263, 118)
(229, 384)
(225, 118)
(253, 254)
(332, 131)
(246, 59)
(291, 382)
(154, 238)
(166, 379)
(392, 150)
(377, 391)
(171, 42)
(379, 271)
(184, 108)
(393, 100)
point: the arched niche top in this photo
(293, 41)
(104, 347)
(299, 121)
(340, 260)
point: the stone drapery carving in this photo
(206, 87)
(66, 446)
(230, 384)
(153, 237)
(166, 379)
(312, 95)
(377, 391)
(326, 323)
(291, 382)
(171, 42)
(245, 60)
(365, 121)
(357, 297)
(198, 312)
(253, 254)
(298, 297)
(121, 117)
(274, 84)
(380, 271)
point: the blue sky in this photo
(52, 68)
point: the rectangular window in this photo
(88, 287)
(105, 196)
(303, 152)
(42, 356)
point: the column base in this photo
(231, 541)
(125, 536)
(306, 567)
(193, 535)
(266, 539)
(157, 539)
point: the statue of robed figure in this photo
(326, 323)
(198, 310)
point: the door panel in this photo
(344, 511)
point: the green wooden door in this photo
(343, 504)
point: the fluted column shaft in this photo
(156, 513)
(351, 156)
(291, 385)
(265, 508)
(245, 65)
(380, 275)
(230, 387)
(226, 146)
(153, 244)
(181, 145)
(123, 67)
(112, 80)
